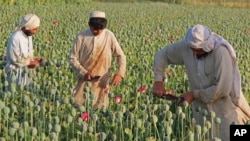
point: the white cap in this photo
(97, 14)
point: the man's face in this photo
(96, 31)
(30, 32)
(199, 52)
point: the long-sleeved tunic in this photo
(211, 80)
(19, 53)
(94, 54)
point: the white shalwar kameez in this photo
(19, 54)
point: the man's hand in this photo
(88, 76)
(116, 80)
(189, 97)
(39, 59)
(158, 89)
(33, 64)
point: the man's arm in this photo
(121, 61)
(73, 58)
(171, 54)
(120, 57)
(14, 53)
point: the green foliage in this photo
(43, 2)
(225, 3)
(44, 111)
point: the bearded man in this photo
(20, 52)
(213, 75)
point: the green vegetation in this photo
(224, 3)
(43, 2)
(44, 111)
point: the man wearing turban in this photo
(213, 75)
(20, 50)
(90, 58)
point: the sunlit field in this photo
(44, 111)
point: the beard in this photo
(27, 32)
(202, 55)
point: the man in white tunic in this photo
(91, 57)
(20, 51)
(213, 74)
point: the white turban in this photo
(97, 14)
(200, 36)
(29, 21)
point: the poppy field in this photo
(45, 110)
